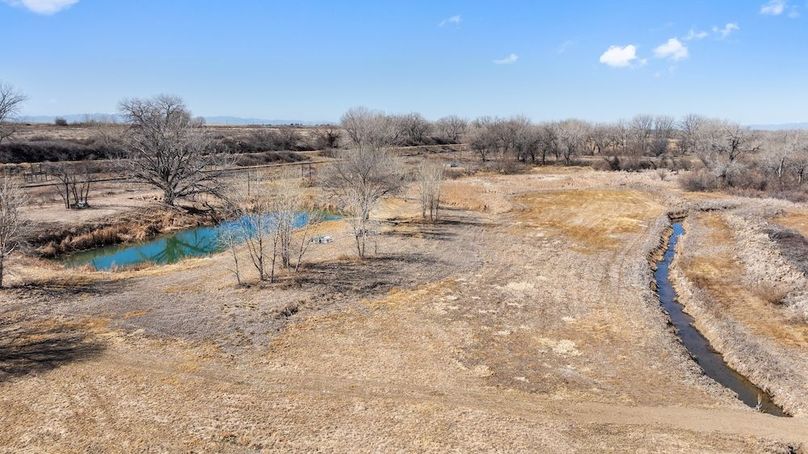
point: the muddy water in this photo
(699, 347)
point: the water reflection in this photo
(171, 248)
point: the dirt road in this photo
(523, 322)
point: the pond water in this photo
(699, 347)
(173, 247)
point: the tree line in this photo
(169, 149)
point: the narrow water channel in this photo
(699, 347)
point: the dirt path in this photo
(523, 323)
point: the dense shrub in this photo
(254, 159)
(55, 150)
(283, 139)
(675, 164)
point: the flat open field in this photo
(524, 321)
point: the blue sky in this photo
(311, 60)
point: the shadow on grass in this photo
(442, 229)
(793, 246)
(38, 346)
(368, 276)
(66, 288)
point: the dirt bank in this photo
(510, 326)
(135, 225)
(735, 283)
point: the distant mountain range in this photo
(212, 120)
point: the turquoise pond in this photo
(173, 247)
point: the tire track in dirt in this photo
(263, 384)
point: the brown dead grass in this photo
(592, 218)
(721, 274)
(467, 195)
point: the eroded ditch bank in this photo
(710, 361)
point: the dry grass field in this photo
(523, 321)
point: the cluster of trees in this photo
(370, 127)
(164, 146)
(265, 223)
(733, 156)
(566, 140)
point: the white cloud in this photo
(673, 49)
(508, 60)
(724, 32)
(695, 35)
(454, 20)
(774, 7)
(619, 57)
(43, 6)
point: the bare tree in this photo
(74, 184)
(529, 143)
(290, 220)
(451, 128)
(722, 142)
(689, 130)
(368, 128)
(572, 136)
(327, 137)
(257, 232)
(168, 149)
(269, 221)
(548, 137)
(735, 141)
(484, 140)
(601, 139)
(784, 157)
(411, 128)
(314, 218)
(231, 238)
(640, 129)
(12, 225)
(359, 179)
(799, 161)
(10, 102)
(430, 180)
(663, 133)
(512, 133)
(284, 209)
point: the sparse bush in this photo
(603, 165)
(635, 164)
(430, 180)
(699, 181)
(745, 177)
(59, 121)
